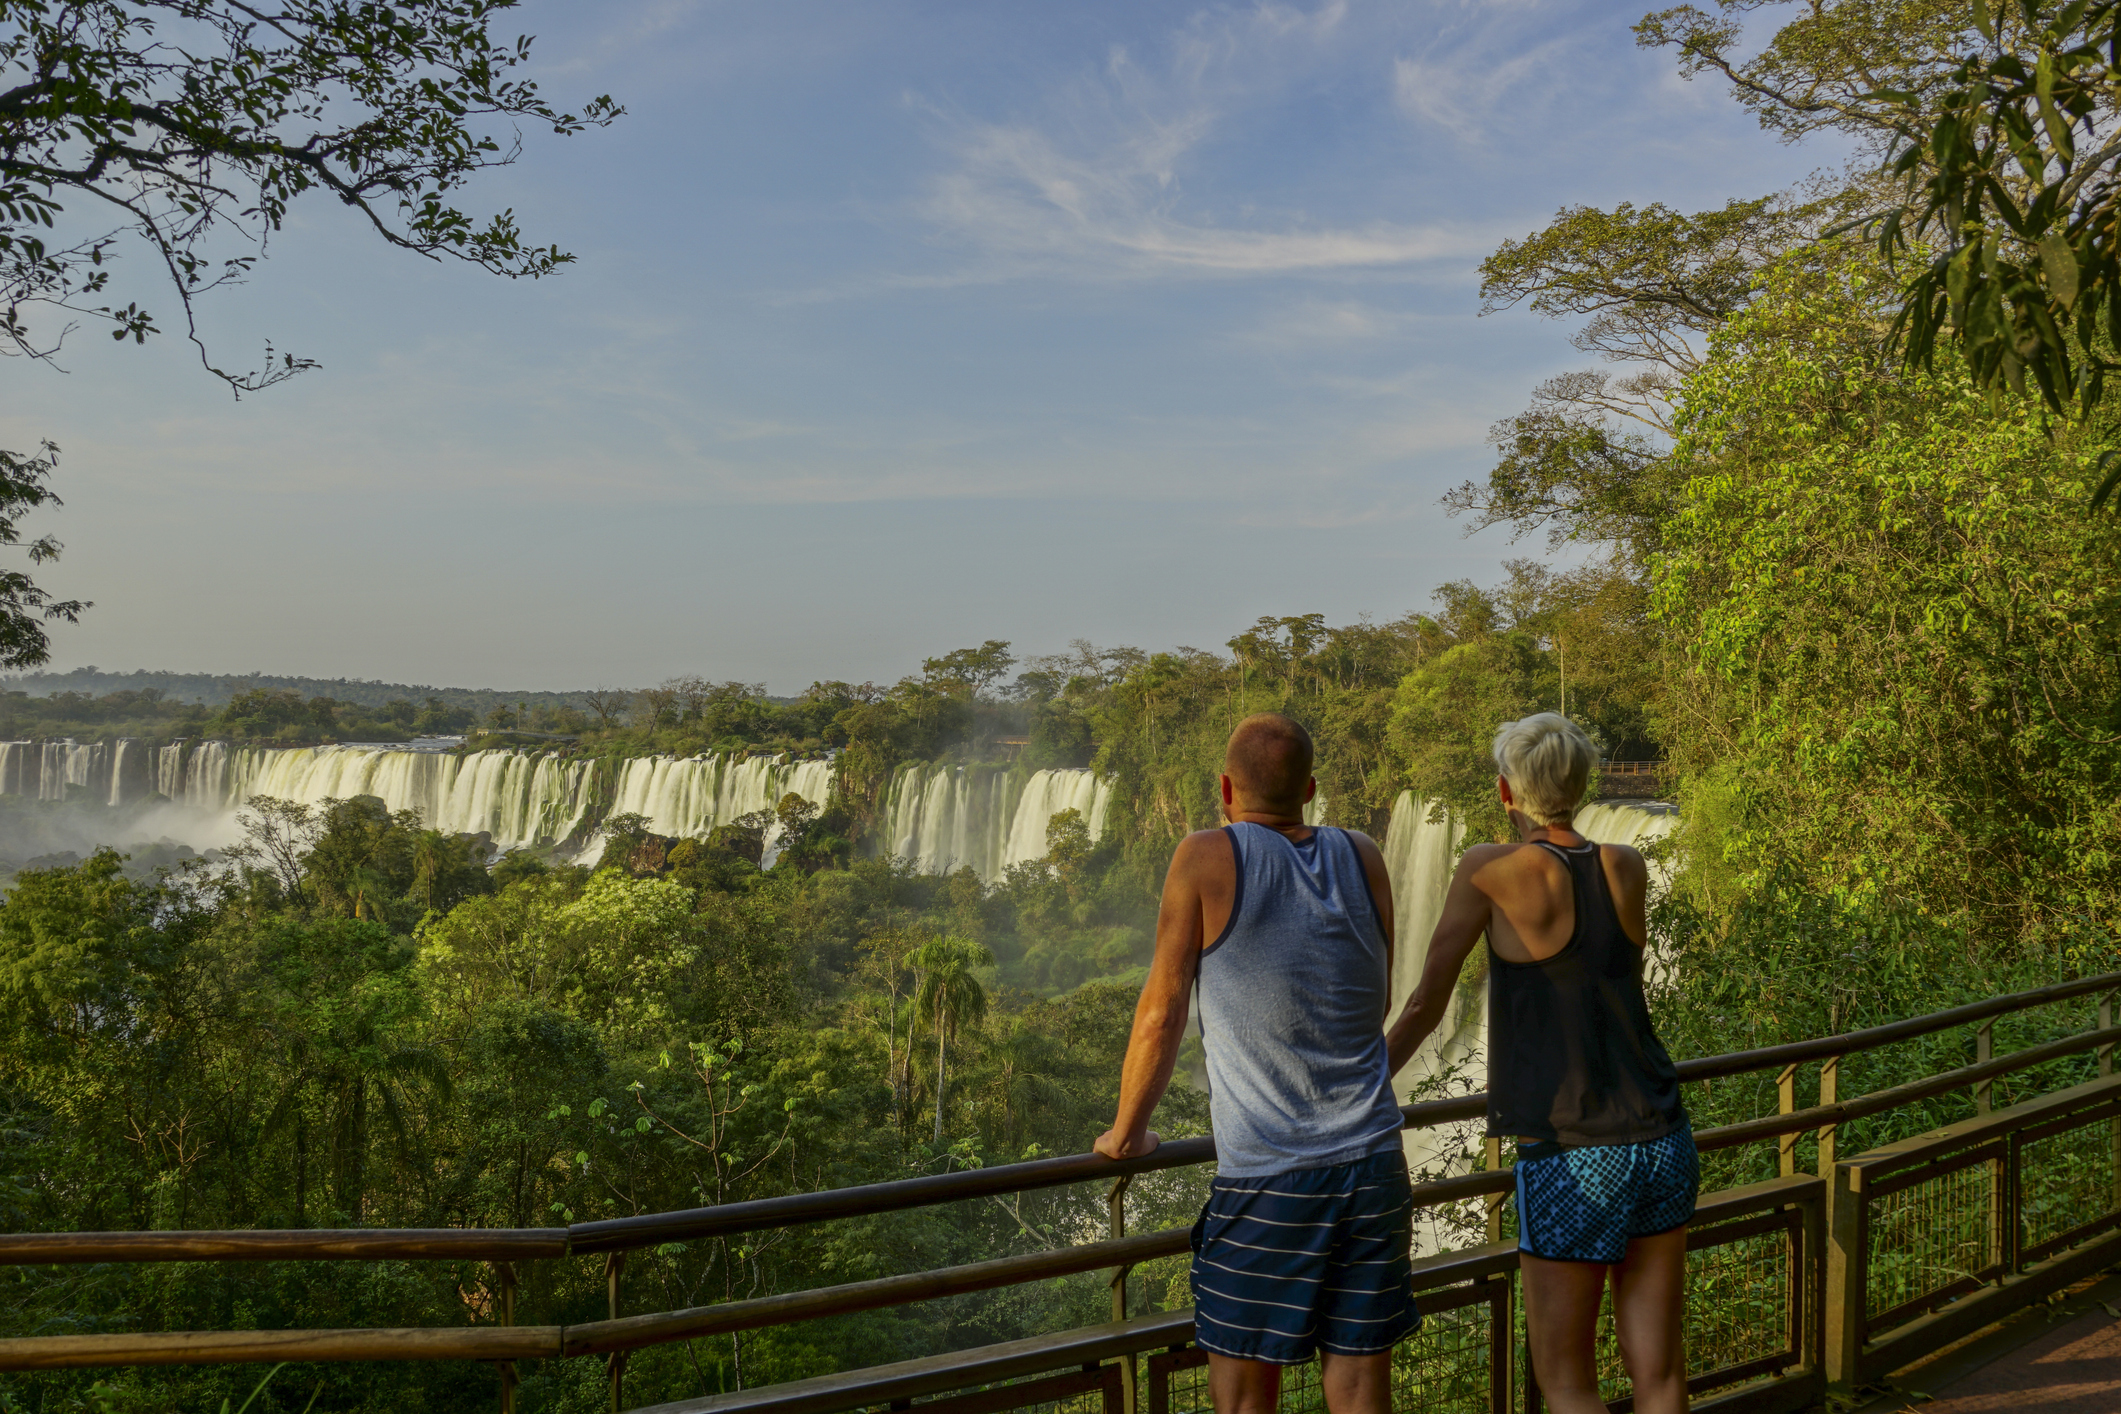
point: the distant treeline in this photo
(264, 715)
(217, 690)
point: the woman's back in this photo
(1572, 1056)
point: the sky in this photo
(894, 327)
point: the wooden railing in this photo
(1824, 1268)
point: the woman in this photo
(1606, 1169)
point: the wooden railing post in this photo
(2106, 1067)
(1829, 1093)
(504, 1292)
(615, 1362)
(1808, 1283)
(1786, 1103)
(1491, 1159)
(1984, 1050)
(1846, 1292)
(1116, 1209)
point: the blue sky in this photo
(896, 327)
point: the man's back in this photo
(1293, 994)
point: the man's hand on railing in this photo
(1115, 1145)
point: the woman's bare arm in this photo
(1466, 911)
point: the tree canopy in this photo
(193, 125)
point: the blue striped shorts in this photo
(1316, 1259)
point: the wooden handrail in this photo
(728, 1219)
(634, 1332)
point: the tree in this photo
(1898, 691)
(184, 120)
(971, 671)
(884, 959)
(1650, 283)
(23, 641)
(1445, 714)
(277, 838)
(654, 707)
(745, 836)
(1068, 846)
(949, 999)
(1995, 124)
(608, 703)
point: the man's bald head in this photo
(1268, 762)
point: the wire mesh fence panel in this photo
(2066, 1180)
(1443, 1368)
(1738, 1302)
(1927, 1236)
(1188, 1389)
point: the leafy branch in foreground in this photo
(176, 118)
(23, 642)
(2011, 194)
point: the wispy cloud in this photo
(1097, 185)
(1320, 323)
(1466, 87)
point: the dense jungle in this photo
(1863, 610)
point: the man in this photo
(1303, 1245)
(1606, 1167)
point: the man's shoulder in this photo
(1201, 851)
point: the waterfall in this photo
(940, 817)
(46, 769)
(945, 818)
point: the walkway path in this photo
(2060, 1360)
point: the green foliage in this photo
(1444, 718)
(2024, 258)
(219, 121)
(323, 1047)
(24, 608)
(1899, 632)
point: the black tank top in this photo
(1571, 1055)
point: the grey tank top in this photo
(1292, 1008)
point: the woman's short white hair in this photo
(1547, 760)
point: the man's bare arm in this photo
(1380, 881)
(1464, 920)
(1160, 1015)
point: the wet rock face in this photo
(650, 855)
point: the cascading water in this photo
(940, 817)
(110, 774)
(944, 818)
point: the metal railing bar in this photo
(729, 1219)
(1878, 1101)
(634, 1332)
